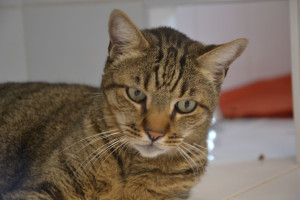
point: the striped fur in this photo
(62, 141)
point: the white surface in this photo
(264, 23)
(285, 187)
(237, 172)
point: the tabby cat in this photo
(140, 136)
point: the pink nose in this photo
(154, 135)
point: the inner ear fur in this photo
(125, 37)
(215, 63)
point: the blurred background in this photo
(67, 41)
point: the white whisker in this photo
(89, 161)
(190, 150)
(186, 157)
(199, 146)
(84, 139)
(95, 139)
(196, 148)
(122, 141)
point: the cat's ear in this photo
(215, 63)
(125, 37)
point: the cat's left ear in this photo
(125, 37)
(215, 63)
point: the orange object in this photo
(268, 98)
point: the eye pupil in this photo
(137, 93)
(186, 104)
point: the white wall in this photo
(57, 41)
(265, 24)
(12, 49)
(68, 43)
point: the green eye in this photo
(185, 106)
(135, 95)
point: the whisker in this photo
(196, 148)
(92, 136)
(88, 158)
(89, 161)
(188, 149)
(186, 157)
(199, 146)
(122, 141)
(95, 139)
(97, 94)
(111, 146)
(125, 144)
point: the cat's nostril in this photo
(153, 135)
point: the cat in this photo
(140, 136)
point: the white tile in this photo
(286, 187)
(239, 144)
(221, 181)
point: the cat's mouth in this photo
(149, 150)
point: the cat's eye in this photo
(135, 95)
(185, 106)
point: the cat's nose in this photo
(154, 135)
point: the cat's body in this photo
(141, 136)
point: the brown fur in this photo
(63, 141)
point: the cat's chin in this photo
(149, 151)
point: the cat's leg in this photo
(169, 187)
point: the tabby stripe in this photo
(183, 89)
(154, 192)
(114, 85)
(159, 44)
(156, 76)
(178, 79)
(160, 56)
(51, 189)
(187, 45)
(182, 61)
(146, 81)
(171, 79)
(178, 44)
(137, 79)
(150, 171)
(71, 172)
(172, 51)
(173, 115)
(158, 36)
(192, 92)
(165, 70)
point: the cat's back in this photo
(34, 117)
(24, 104)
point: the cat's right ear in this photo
(125, 37)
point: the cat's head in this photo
(161, 86)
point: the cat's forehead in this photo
(163, 38)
